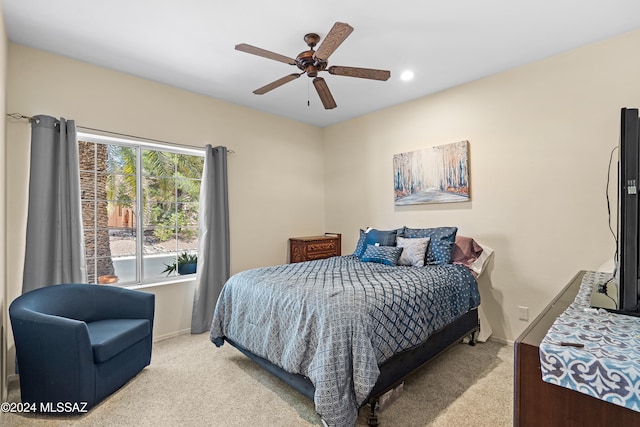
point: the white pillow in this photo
(413, 250)
(482, 261)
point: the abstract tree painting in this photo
(435, 175)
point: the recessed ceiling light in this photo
(406, 75)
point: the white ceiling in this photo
(190, 43)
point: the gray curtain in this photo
(54, 250)
(213, 250)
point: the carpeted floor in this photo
(190, 382)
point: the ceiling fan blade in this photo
(243, 47)
(277, 83)
(338, 33)
(363, 73)
(324, 93)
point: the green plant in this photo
(183, 259)
(179, 222)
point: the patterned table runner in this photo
(606, 361)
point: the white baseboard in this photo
(501, 340)
(171, 335)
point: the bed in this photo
(344, 330)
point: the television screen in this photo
(622, 293)
(628, 216)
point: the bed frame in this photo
(394, 370)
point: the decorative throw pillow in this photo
(382, 237)
(360, 245)
(440, 250)
(413, 250)
(387, 255)
(372, 237)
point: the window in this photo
(139, 208)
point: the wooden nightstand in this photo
(314, 247)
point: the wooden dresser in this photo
(314, 247)
(538, 403)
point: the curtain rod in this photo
(19, 116)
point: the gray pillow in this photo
(414, 250)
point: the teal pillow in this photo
(387, 255)
(360, 245)
(374, 236)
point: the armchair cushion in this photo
(110, 337)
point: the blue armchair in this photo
(78, 343)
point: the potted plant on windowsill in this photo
(186, 264)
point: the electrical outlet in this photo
(523, 312)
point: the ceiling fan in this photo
(311, 62)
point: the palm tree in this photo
(93, 157)
(172, 189)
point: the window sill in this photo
(182, 279)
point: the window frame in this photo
(140, 144)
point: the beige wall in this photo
(540, 137)
(276, 178)
(3, 247)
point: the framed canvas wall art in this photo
(438, 174)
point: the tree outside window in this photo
(139, 208)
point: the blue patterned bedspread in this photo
(608, 366)
(335, 320)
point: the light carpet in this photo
(190, 382)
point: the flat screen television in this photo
(622, 293)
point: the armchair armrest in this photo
(56, 347)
